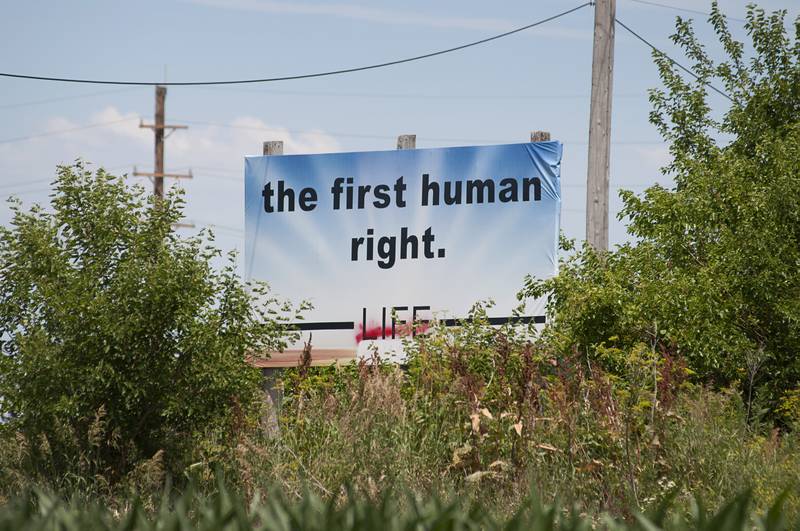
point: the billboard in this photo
(376, 240)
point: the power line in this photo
(23, 183)
(222, 227)
(614, 187)
(673, 61)
(63, 98)
(214, 169)
(22, 192)
(27, 183)
(337, 134)
(229, 177)
(684, 9)
(118, 166)
(334, 134)
(304, 132)
(305, 76)
(400, 95)
(62, 131)
(50, 180)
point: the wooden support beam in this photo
(163, 175)
(162, 126)
(407, 142)
(540, 136)
(273, 147)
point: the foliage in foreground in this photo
(225, 510)
(484, 416)
(120, 342)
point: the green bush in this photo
(711, 274)
(121, 344)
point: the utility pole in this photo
(597, 178)
(158, 128)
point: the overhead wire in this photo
(64, 98)
(671, 60)
(222, 227)
(68, 130)
(684, 9)
(303, 76)
(312, 132)
(320, 74)
(23, 183)
(399, 95)
(337, 134)
(22, 192)
(334, 134)
(330, 73)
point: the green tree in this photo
(712, 272)
(120, 339)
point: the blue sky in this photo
(496, 93)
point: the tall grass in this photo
(225, 510)
(493, 419)
(481, 417)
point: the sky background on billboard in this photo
(496, 93)
(489, 247)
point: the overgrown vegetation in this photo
(120, 343)
(667, 373)
(483, 412)
(223, 509)
(711, 272)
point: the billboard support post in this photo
(273, 147)
(273, 391)
(407, 142)
(540, 136)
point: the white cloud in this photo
(115, 134)
(225, 147)
(121, 141)
(387, 16)
(122, 144)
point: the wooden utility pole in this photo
(158, 133)
(600, 125)
(158, 128)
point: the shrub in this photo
(120, 340)
(490, 414)
(711, 273)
